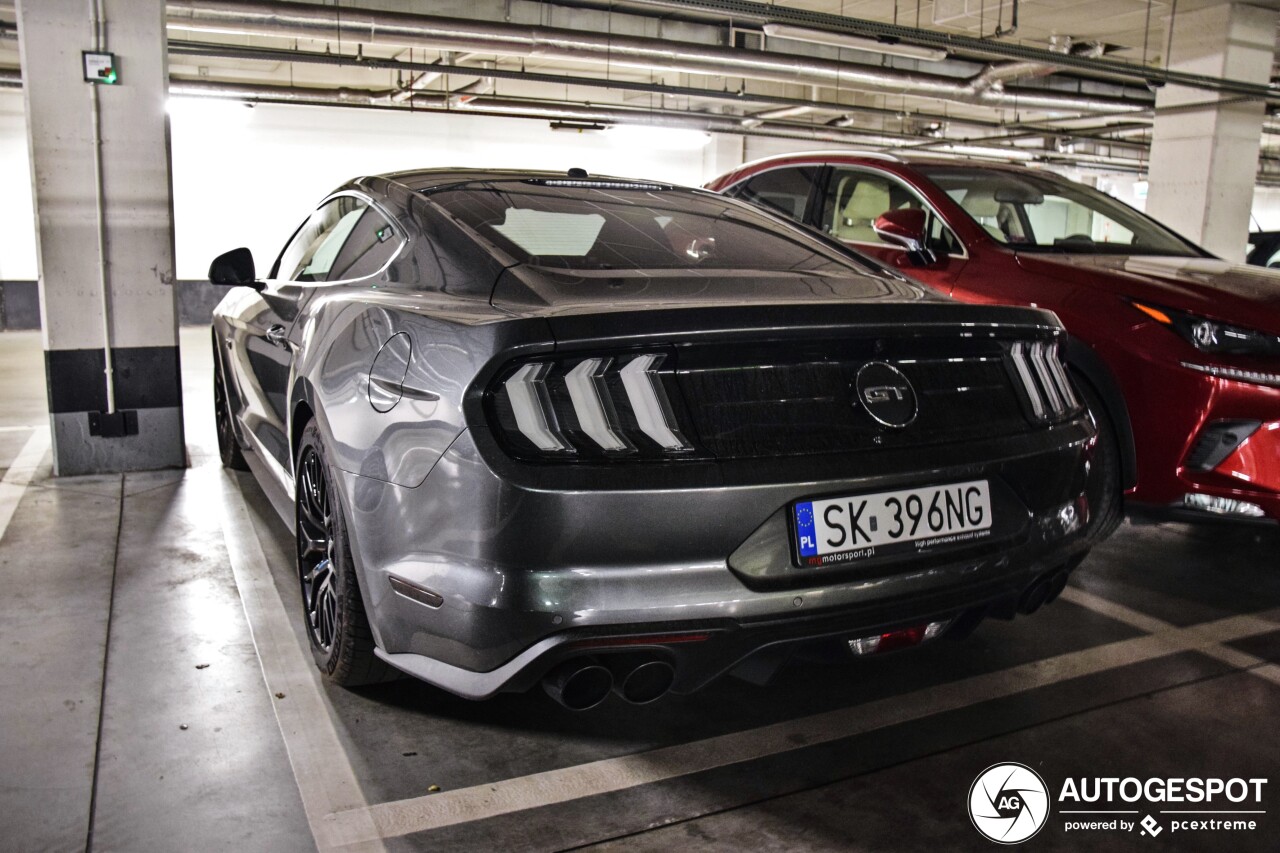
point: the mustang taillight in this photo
(1043, 381)
(615, 407)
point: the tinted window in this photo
(632, 229)
(1035, 213)
(784, 191)
(344, 239)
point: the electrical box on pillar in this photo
(100, 68)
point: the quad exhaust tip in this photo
(579, 684)
(582, 683)
(641, 680)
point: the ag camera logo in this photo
(1008, 803)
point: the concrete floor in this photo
(156, 693)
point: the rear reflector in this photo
(652, 640)
(900, 639)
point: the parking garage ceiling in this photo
(1062, 84)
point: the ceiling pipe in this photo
(516, 108)
(180, 48)
(426, 78)
(330, 23)
(605, 116)
(994, 76)
(844, 40)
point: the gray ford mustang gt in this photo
(606, 434)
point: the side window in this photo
(345, 238)
(784, 191)
(855, 199)
(1000, 218)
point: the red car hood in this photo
(1234, 293)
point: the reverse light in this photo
(583, 383)
(1045, 386)
(900, 639)
(527, 392)
(1222, 506)
(589, 408)
(649, 402)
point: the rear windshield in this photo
(634, 229)
(1033, 213)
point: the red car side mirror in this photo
(904, 227)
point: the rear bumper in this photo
(524, 571)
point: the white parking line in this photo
(20, 474)
(325, 778)
(1231, 657)
(420, 814)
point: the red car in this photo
(1176, 351)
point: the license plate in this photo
(838, 530)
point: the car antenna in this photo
(575, 172)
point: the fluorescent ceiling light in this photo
(215, 112)
(911, 51)
(657, 137)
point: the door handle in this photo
(276, 335)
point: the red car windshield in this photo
(1033, 213)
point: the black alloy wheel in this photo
(315, 551)
(337, 626)
(228, 448)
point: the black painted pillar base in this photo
(148, 392)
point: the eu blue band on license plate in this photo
(859, 527)
(805, 534)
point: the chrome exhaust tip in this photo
(578, 684)
(642, 681)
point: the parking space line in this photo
(20, 474)
(449, 808)
(326, 780)
(1231, 657)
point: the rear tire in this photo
(1106, 503)
(332, 608)
(228, 448)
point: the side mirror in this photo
(905, 227)
(234, 268)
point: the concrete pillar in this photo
(723, 152)
(104, 233)
(1204, 160)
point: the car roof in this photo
(847, 156)
(425, 179)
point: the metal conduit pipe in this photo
(190, 48)
(997, 74)
(330, 23)
(522, 109)
(707, 122)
